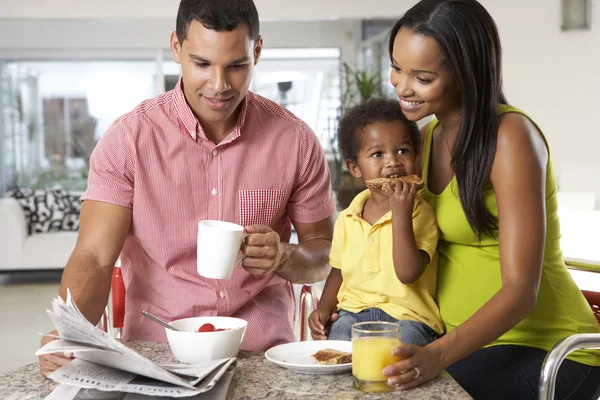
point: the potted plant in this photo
(358, 86)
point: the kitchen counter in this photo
(255, 378)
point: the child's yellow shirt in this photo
(364, 255)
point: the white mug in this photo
(218, 248)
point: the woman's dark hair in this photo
(218, 15)
(468, 37)
(367, 113)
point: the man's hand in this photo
(318, 322)
(262, 248)
(51, 362)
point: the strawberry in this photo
(207, 328)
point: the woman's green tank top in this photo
(469, 269)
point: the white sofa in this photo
(20, 251)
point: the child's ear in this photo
(353, 168)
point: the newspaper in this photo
(104, 364)
(67, 392)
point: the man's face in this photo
(216, 70)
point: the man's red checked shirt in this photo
(156, 160)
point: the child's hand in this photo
(402, 197)
(317, 321)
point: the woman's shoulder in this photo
(515, 127)
(429, 126)
(426, 131)
(521, 147)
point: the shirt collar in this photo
(356, 207)
(190, 122)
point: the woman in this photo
(504, 293)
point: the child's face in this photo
(386, 151)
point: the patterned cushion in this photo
(48, 210)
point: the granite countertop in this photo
(255, 378)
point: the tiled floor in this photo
(24, 299)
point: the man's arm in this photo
(308, 261)
(103, 228)
(305, 262)
(102, 232)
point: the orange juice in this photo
(370, 355)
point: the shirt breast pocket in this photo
(261, 207)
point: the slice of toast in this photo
(378, 183)
(332, 357)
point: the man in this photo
(209, 149)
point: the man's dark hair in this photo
(367, 113)
(217, 15)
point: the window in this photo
(305, 81)
(54, 112)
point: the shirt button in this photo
(214, 192)
(222, 294)
(371, 240)
(214, 153)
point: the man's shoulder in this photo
(151, 109)
(265, 107)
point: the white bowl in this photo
(192, 347)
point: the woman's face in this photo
(422, 77)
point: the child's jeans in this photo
(411, 332)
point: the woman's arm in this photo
(519, 179)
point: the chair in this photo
(309, 300)
(592, 296)
(556, 356)
(574, 342)
(118, 302)
(114, 313)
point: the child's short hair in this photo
(358, 117)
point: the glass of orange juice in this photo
(372, 344)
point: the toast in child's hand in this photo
(378, 183)
(332, 357)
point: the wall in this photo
(141, 38)
(554, 76)
(132, 9)
(49, 34)
(551, 74)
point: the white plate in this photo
(297, 356)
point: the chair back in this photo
(118, 301)
(309, 300)
(556, 356)
(593, 298)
